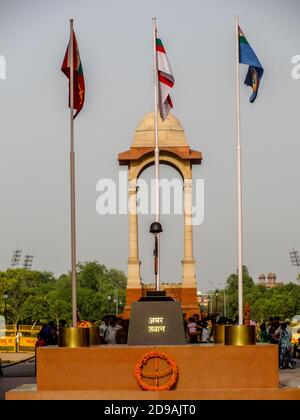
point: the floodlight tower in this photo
(295, 260)
(28, 260)
(16, 258)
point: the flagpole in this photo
(156, 152)
(239, 180)
(72, 181)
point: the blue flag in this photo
(255, 71)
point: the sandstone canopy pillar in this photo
(189, 283)
(189, 270)
(134, 290)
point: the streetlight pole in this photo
(211, 296)
(108, 299)
(116, 299)
(221, 284)
(208, 305)
(5, 297)
(295, 260)
(216, 294)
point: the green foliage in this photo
(282, 300)
(59, 306)
(35, 309)
(35, 297)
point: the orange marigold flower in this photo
(173, 370)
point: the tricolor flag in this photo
(79, 86)
(255, 71)
(165, 80)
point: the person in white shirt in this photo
(104, 330)
(205, 338)
(289, 330)
(110, 333)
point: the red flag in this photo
(79, 86)
(165, 80)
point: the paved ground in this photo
(14, 357)
(290, 377)
(24, 373)
(15, 376)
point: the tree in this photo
(35, 309)
(20, 284)
(59, 306)
(232, 292)
(36, 296)
(282, 301)
(91, 275)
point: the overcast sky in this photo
(114, 39)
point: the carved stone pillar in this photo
(189, 264)
(133, 281)
(134, 288)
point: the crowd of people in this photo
(280, 333)
(273, 332)
(196, 330)
(201, 330)
(48, 335)
(114, 330)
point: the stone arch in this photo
(174, 151)
(167, 158)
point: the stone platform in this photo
(205, 372)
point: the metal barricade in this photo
(23, 338)
(8, 338)
(27, 337)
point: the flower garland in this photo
(83, 324)
(173, 370)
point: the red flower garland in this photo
(143, 361)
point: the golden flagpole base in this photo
(219, 334)
(94, 335)
(240, 335)
(74, 337)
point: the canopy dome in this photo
(170, 132)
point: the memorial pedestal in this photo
(205, 372)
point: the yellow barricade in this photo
(26, 344)
(8, 338)
(21, 339)
(27, 337)
(30, 329)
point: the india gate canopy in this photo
(174, 151)
(171, 138)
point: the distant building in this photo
(269, 282)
